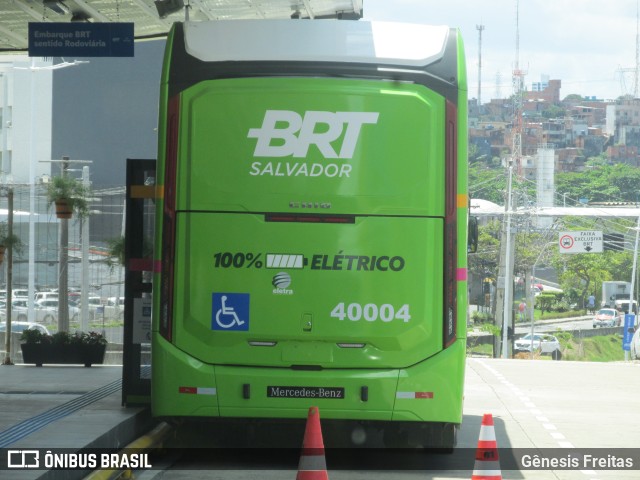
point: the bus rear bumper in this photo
(425, 396)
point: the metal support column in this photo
(139, 221)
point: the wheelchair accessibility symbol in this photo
(230, 311)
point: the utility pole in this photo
(9, 256)
(504, 290)
(63, 265)
(504, 308)
(636, 73)
(633, 282)
(84, 291)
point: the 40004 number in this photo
(370, 312)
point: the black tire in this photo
(556, 355)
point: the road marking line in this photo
(559, 437)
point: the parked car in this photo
(52, 307)
(46, 311)
(46, 296)
(19, 327)
(20, 312)
(19, 293)
(546, 344)
(113, 301)
(607, 317)
(114, 308)
(16, 294)
(95, 306)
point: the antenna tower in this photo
(518, 92)
(480, 28)
(634, 70)
(636, 73)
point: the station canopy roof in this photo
(153, 18)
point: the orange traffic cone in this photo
(312, 464)
(487, 465)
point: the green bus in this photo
(311, 226)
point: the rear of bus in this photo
(312, 230)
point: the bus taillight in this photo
(169, 219)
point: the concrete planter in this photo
(41, 353)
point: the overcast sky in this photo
(106, 111)
(584, 43)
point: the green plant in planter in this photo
(84, 338)
(63, 347)
(63, 338)
(69, 195)
(60, 338)
(34, 336)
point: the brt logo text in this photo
(285, 133)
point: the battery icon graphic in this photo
(277, 260)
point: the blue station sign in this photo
(627, 334)
(80, 39)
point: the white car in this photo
(546, 344)
(46, 296)
(52, 306)
(20, 312)
(19, 327)
(607, 317)
(114, 307)
(46, 311)
(94, 306)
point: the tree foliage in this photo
(579, 274)
(487, 183)
(601, 183)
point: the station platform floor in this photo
(64, 407)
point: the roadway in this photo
(554, 406)
(574, 323)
